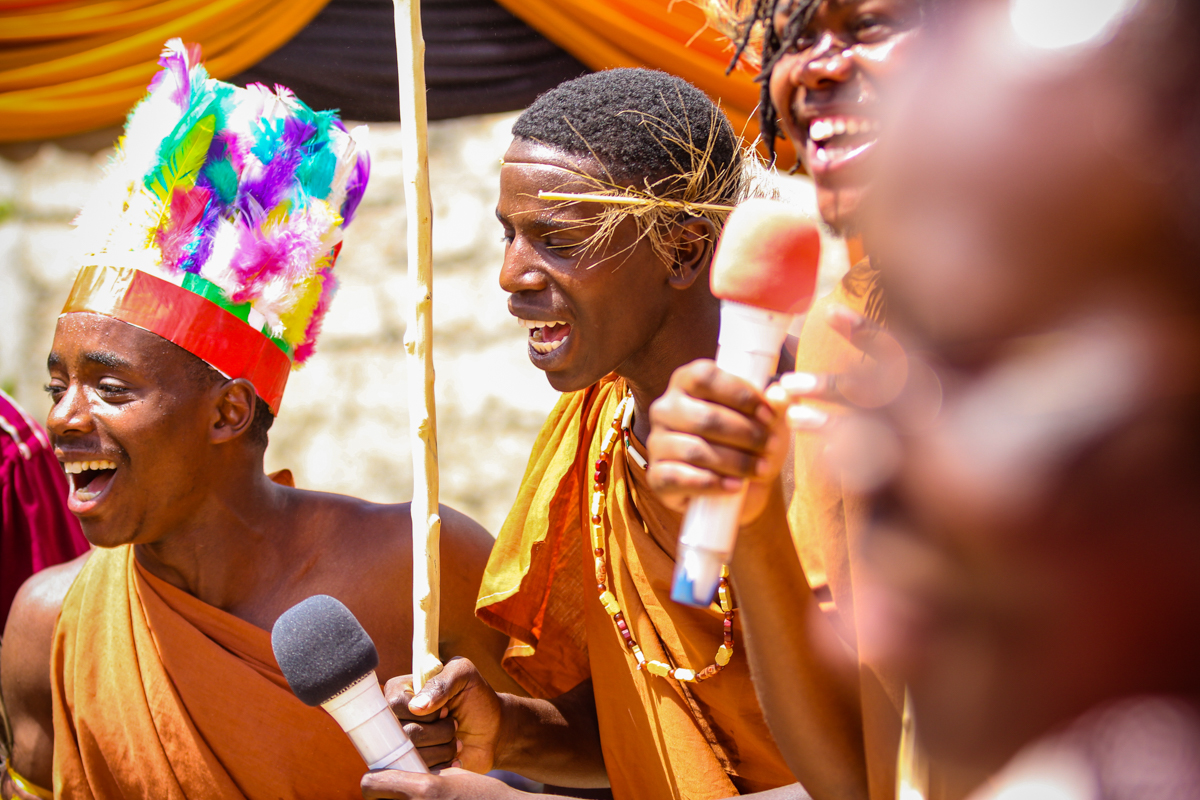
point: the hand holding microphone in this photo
(329, 661)
(765, 273)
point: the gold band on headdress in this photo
(186, 318)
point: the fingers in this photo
(435, 741)
(399, 694)
(438, 690)
(703, 380)
(391, 784)
(394, 784)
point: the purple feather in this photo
(356, 185)
(175, 63)
(269, 185)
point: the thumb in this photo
(394, 784)
(442, 687)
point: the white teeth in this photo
(531, 324)
(85, 495)
(820, 130)
(546, 347)
(76, 467)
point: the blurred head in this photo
(146, 430)
(828, 68)
(596, 283)
(1035, 547)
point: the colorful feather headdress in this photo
(219, 221)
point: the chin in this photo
(839, 209)
(566, 382)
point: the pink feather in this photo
(186, 210)
(313, 330)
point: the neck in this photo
(689, 334)
(227, 551)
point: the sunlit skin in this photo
(629, 311)
(118, 394)
(189, 493)
(842, 68)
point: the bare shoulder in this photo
(30, 626)
(25, 665)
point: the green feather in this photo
(224, 179)
(179, 168)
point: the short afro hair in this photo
(605, 114)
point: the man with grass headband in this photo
(145, 668)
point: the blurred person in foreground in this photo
(1032, 560)
(145, 668)
(37, 529)
(633, 691)
(829, 69)
(1035, 545)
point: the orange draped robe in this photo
(159, 695)
(660, 738)
(828, 522)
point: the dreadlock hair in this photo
(749, 21)
(665, 150)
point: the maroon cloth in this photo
(36, 529)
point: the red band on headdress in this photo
(199, 326)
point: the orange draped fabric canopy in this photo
(73, 66)
(69, 67)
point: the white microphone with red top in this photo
(765, 272)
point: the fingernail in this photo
(806, 418)
(419, 701)
(731, 484)
(777, 394)
(455, 724)
(456, 764)
(458, 745)
(762, 467)
(799, 381)
(442, 715)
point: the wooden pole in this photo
(418, 344)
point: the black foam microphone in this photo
(329, 661)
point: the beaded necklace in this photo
(620, 430)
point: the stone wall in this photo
(343, 426)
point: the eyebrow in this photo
(542, 220)
(107, 359)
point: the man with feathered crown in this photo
(210, 255)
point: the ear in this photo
(693, 241)
(235, 404)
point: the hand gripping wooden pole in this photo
(418, 344)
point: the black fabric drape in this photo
(479, 59)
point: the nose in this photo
(826, 65)
(71, 415)
(521, 271)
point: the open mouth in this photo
(546, 336)
(837, 140)
(89, 479)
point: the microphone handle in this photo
(363, 713)
(750, 341)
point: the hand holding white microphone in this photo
(329, 661)
(765, 273)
